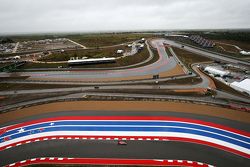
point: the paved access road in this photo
(158, 136)
(206, 53)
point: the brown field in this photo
(189, 58)
(97, 40)
(109, 52)
(129, 106)
(227, 48)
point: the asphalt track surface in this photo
(164, 63)
(149, 149)
(223, 144)
(204, 84)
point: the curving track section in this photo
(163, 64)
(127, 128)
(105, 161)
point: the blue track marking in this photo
(132, 126)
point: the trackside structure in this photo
(91, 61)
(242, 86)
(214, 71)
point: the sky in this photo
(42, 16)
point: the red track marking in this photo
(154, 118)
(151, 118)
(2, 131)
(145, 138)
(109, 161)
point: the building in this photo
(16, 57)
(119, 51)
(214, 71)
(242, 86)
(91, 61)
(244, 52)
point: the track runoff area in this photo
(160, 128)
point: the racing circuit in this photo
(164, 63)
(93, 135)
(89, 135)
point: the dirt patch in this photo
(129, 106)
(242, 45)
(226, 88)
(227, 47)
(190, 80)
(159, 91)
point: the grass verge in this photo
(188, 58)
(26, 86)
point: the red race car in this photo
(122, 143)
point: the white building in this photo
(214, 71)
(91, 61)
(242, 86)
(244, 52)
(141, 46)
(17, 57)
(119, 51)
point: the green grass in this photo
(4, 64)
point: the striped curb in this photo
(108, 161)
(127, 128)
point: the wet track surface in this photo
(176, 139)
(164, 63)
(135, 149)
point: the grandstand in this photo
(201, 41)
